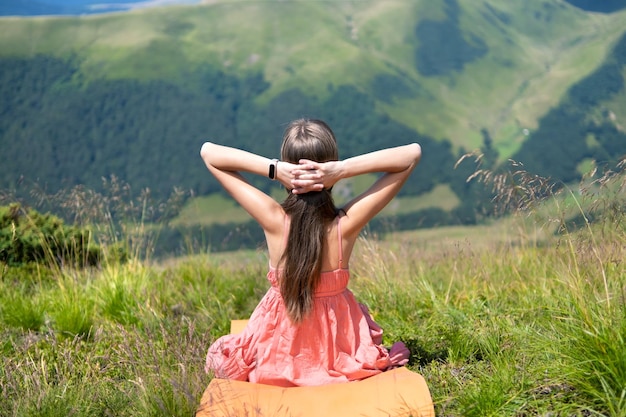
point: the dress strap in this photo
(340, 242)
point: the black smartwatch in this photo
(272, 172)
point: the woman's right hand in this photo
(315, 176)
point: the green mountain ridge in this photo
(122, 93)
(531, 53)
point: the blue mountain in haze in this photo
(602, 6)
(77, 7)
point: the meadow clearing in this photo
(524, 315)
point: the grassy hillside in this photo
(531, 53)
(525, 316)
(217, 208)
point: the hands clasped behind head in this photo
(307, 177)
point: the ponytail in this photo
(310, 215)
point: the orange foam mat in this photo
(237, 326)
(397, 392)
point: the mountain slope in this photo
(529, 53)
(134, 94)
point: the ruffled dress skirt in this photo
(338, 342)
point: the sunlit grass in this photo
(495, 328)
(521, 316)
(215, 208)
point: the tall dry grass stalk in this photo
(125, 223)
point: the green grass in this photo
(440, 197)
(215, 208)
(25, 313)
(503, 319)
(523, 315)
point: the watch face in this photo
(272, 172)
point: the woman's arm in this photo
(226, 163)
(397, 163)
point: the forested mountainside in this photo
(135, 94)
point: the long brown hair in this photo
(310, 215)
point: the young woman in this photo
(308, 329)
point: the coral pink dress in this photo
(337, 342)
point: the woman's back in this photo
(336, 250)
